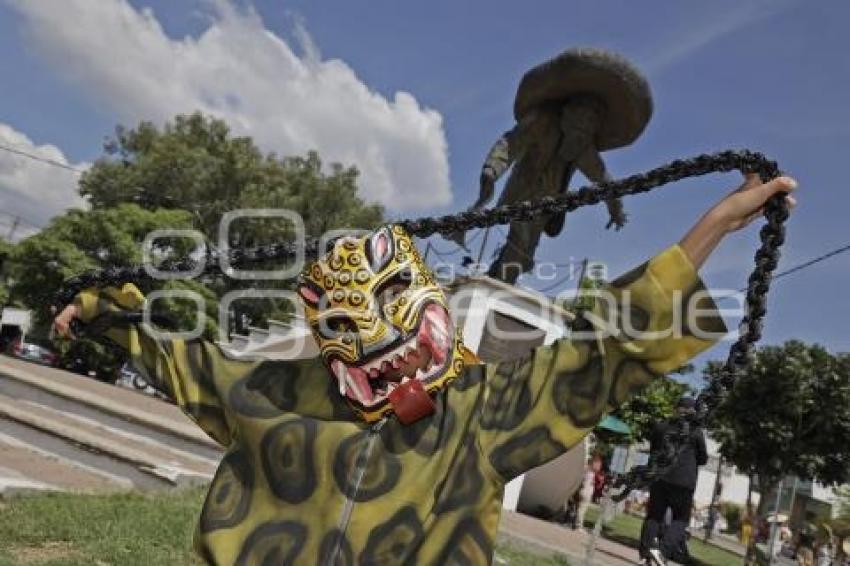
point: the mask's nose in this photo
(378, 337)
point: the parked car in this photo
(33, 353)
(77, 365)
(130, 378)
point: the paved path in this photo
(545, 536)
(124, 403)
(60, 430)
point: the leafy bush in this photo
(733, 513)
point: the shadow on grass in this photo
(701, 554)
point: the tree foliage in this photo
(789, 414)
(193, 163)
(184, 175)
(80, 240)
(654, 404)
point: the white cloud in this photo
(32, 189)
(241, 71)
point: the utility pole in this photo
(483, 245)
(774, 527)
(712, 507)
(15, 223)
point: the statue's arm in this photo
(507, 149)
(592, 166)
(499, 159)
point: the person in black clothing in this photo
(674, 491)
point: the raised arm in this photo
(213, 389)
(592, 166)
(646, 323)
(194, 373)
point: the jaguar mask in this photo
(382, 324)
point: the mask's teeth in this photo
(438, 329)
(420, 375)
(341, 373)
(358, 381)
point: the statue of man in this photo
(568, 110)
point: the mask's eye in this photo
(337, 326)
(393, 288)
(380, 249)
(310, 293)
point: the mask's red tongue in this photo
(411, 402)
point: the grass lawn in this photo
(129, 529)
(625, 529)
(96, 530)
(513, 556)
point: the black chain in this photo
(766, 259)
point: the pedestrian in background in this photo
(673, 492)
(588, 487)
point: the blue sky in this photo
(769, 75)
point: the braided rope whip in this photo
(772, 237)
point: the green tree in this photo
(654, 404)
(788, 414)
(186, 174)
(195, 164)
(80, 240)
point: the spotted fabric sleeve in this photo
(192, 372)
(648, 323)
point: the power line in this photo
(27, 221)
(45, 160)
(508, 242)
(811, 262)
(789, 271)
(440, 252)
(441, 256)
(556, 284)
(457, 248)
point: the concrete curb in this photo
(185, 431)
(11, 489)
(141, 460)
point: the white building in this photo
(734, 485)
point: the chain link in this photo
(772, 237)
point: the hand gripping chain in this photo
(766, 259)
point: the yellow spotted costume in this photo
(310, 477)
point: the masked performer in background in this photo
(395, 444)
